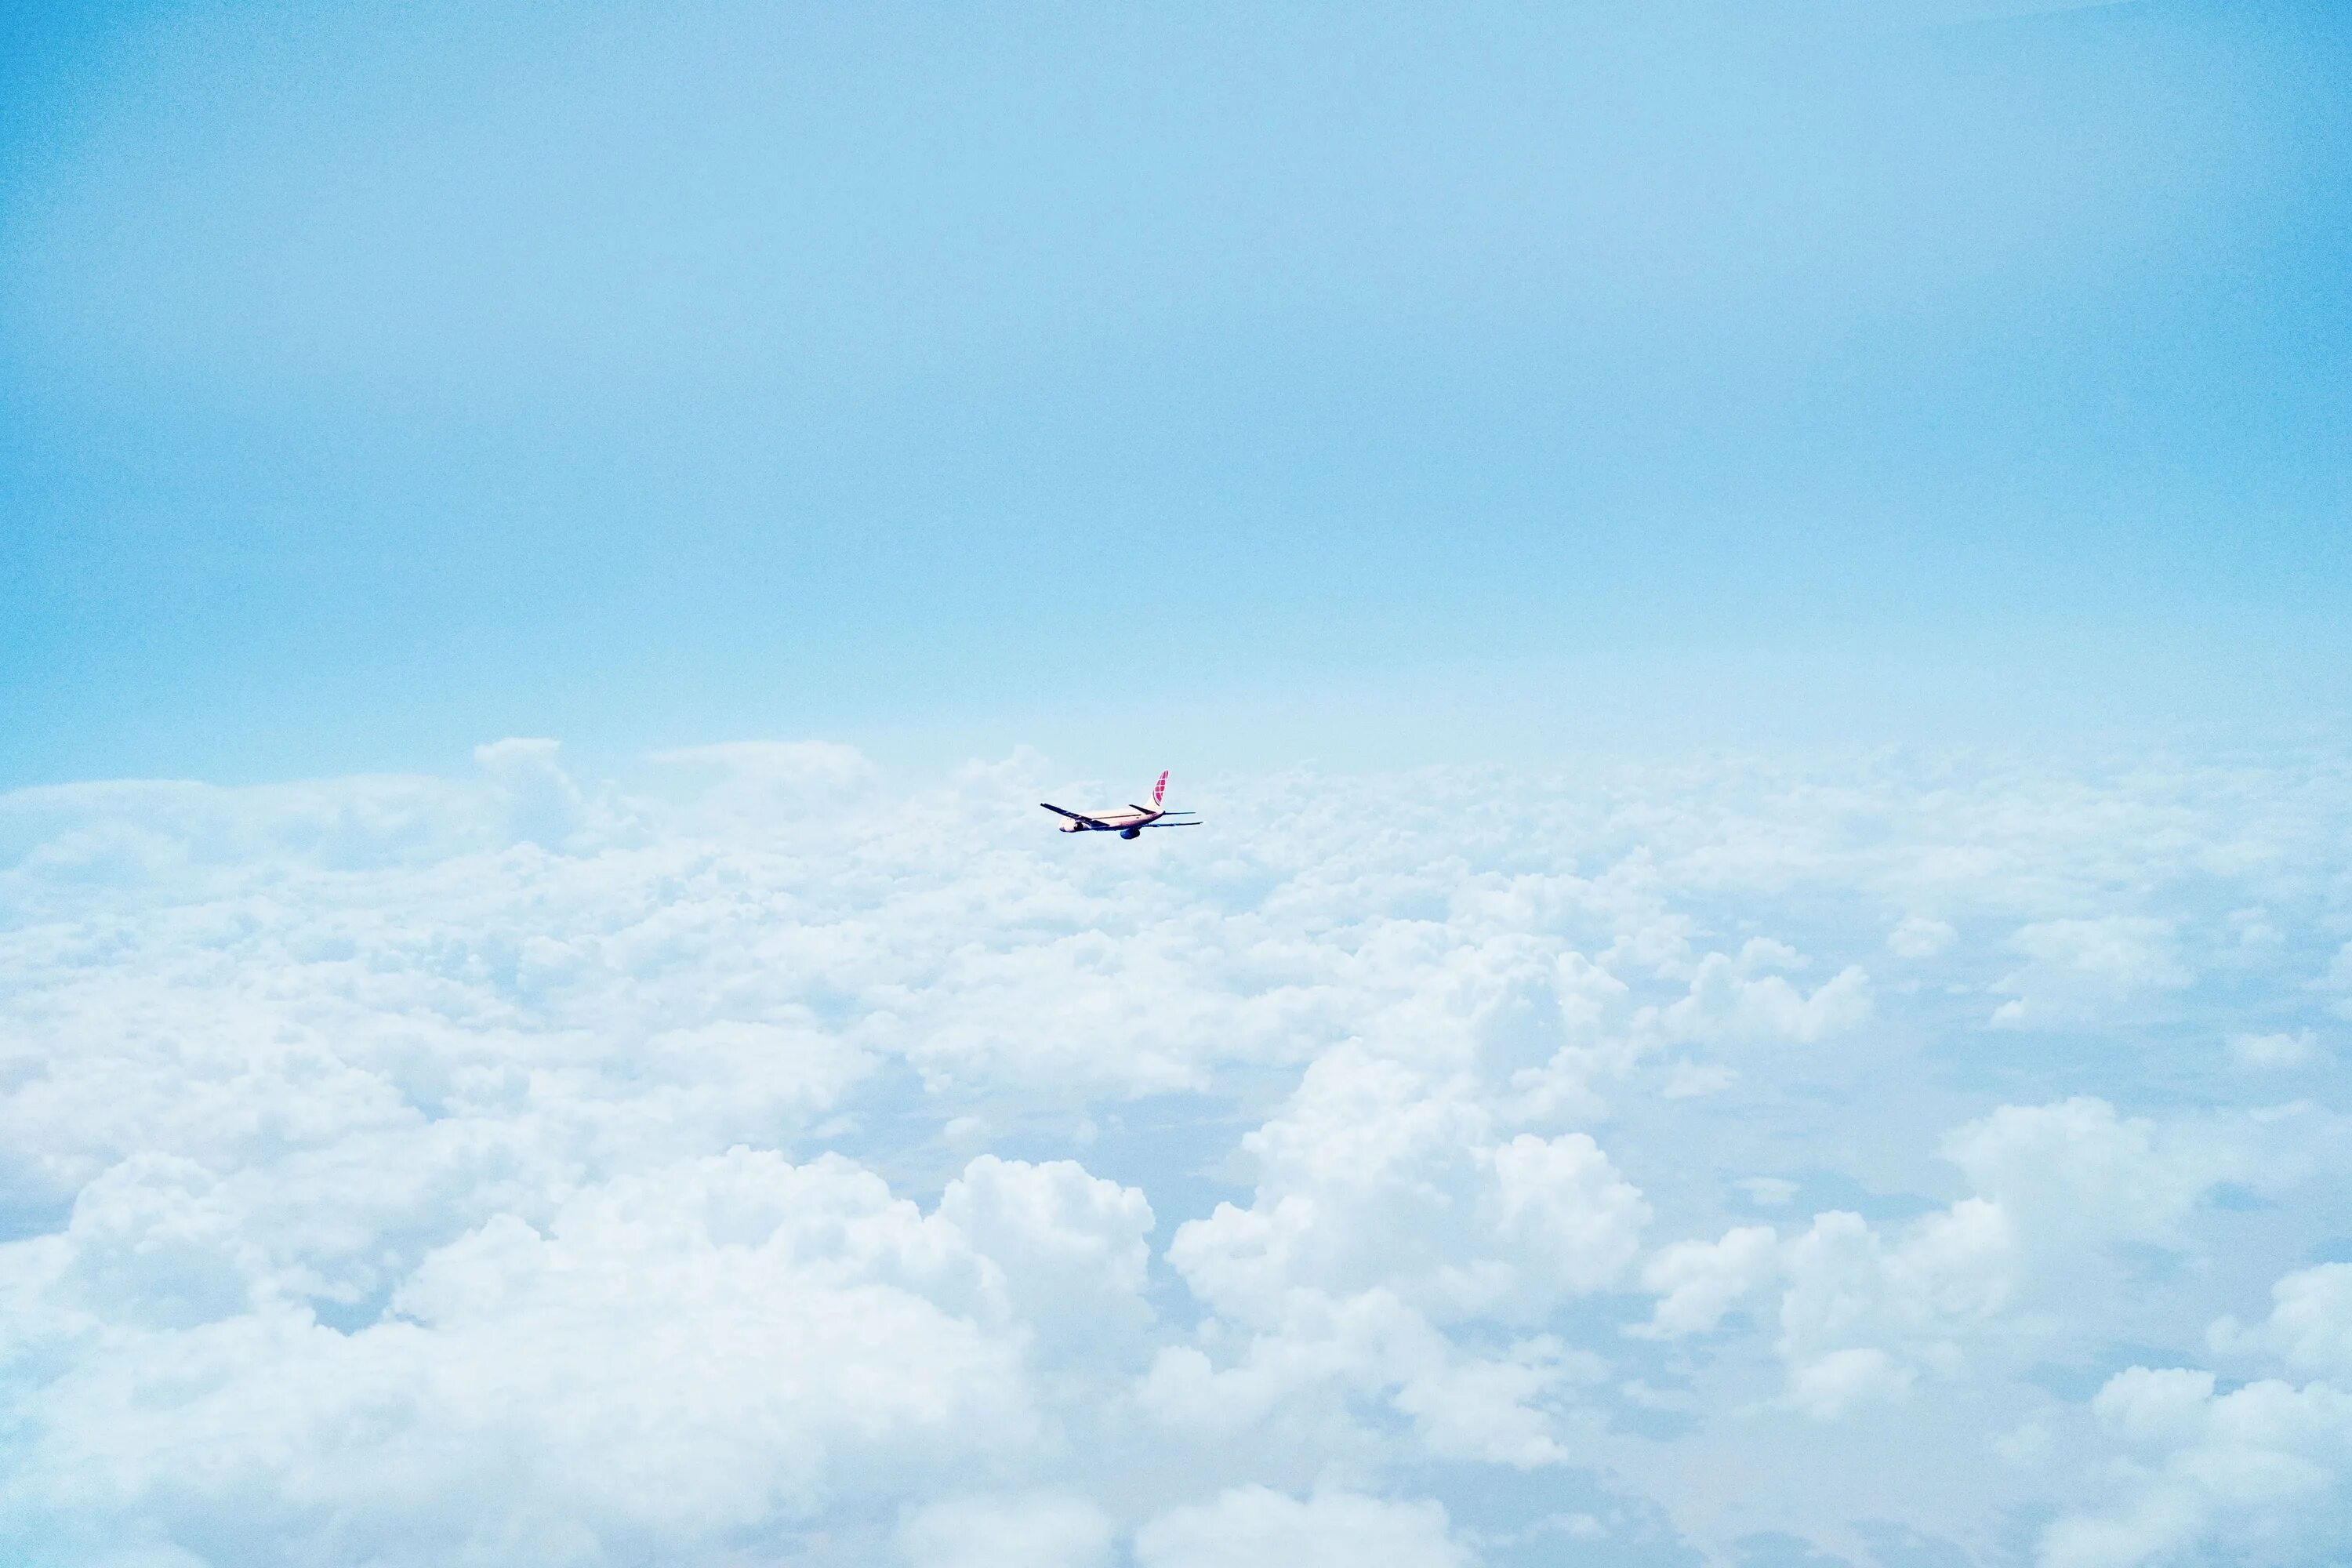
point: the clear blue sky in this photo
(375, 380)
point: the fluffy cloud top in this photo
(1251, 1527)
(770, 1164)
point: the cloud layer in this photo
(1906, 1159)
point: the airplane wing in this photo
(1076, 816)
(1171, 824)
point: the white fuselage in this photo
(1114, 821)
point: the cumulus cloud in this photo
(2074, 969)
(2063, 1192)
(2278, 1051)
(2310, 1326)
(1253, 1527)
(766, 1160)
(1920, 936)
(1068, 1246)
(672, 1355)
(1865, 1314)
(1388, 1205)
(1000, 1531)
(1698, 1281)
(1380, 1176)
(2077, 1171)
(1862, 1314)
(1739, 999)
(2262, 1467)
(2337, 982)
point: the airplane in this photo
(1127, 823)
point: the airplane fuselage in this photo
(1129, 822)
(1125, 823)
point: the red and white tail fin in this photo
(1159, 790)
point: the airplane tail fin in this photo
(1159, 790)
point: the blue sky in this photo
(1371, 384)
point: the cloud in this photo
(1698, 1281)
(1389, 1206)
(1254, 1527)
(1737, 1000)
(1377, 1175)
(2254, 1474)
(2337, 982)
(669, 1356)
(2274, 1052)
(1069, 1246)
(2310, 1326)
(1867, 1310)
(1834, 1384)
(2077, 1170)
(2080, 970)
(1919, 936)
(1000, 1531)
(1861, 1313)
(544, 805)
(767, 1160)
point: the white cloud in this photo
(2256, 1474)
(1841, 1382)
(1739, 1000)
(2274, 1052)
(1007, 1530)
(673, 1355)
(1307, 1373)
(2337, 981)
(1863, 1315)
(1768, 1192)
(2310, 1326)
(1688, 1080)
(769, 1162)
(2077, 1171)
(2082, 971)
(1919, 936)
(1378, 1176)
(1388, 1205)
(1254, 1527)
(543, 806)
(1698, 1281)
(1865, 1311)
(1069, 1246)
